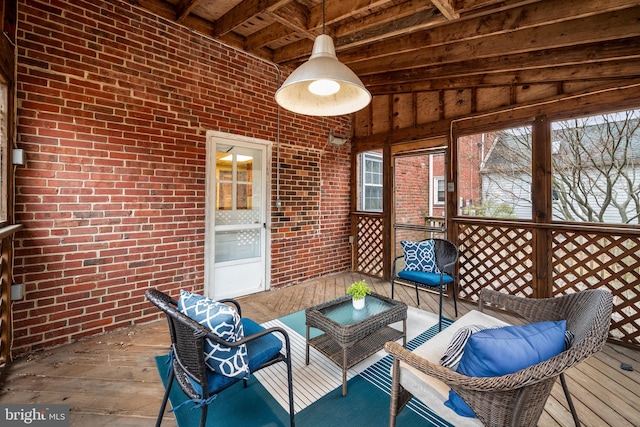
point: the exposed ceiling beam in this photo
(450, 75)
(269, 34)
(598, 28)
(604, 70)
(166, 11)
(414, 45)
(447, 9)
(551, 109)
(388, 28)
(184, 8)
(337, 10)
(242, 12)
(413, 38)
(295, 17)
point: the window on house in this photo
(494, 174)
(371, 182)
(4, 151)
(596, 168)
(439, 193)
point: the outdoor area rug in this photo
(317, 387)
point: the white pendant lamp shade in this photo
(323, 86)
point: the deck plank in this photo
(112, 379)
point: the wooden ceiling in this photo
(412, 45)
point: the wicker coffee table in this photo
(350, 335)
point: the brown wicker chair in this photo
(518, 399)
(187, 352)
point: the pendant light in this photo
(323, 86)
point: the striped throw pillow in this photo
(455, 350)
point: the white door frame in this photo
(212, 138)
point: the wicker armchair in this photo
(518, 399)
(446, 256)
(187, 352)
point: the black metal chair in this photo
(188, 366)
(446, 256)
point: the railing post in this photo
(6, 280)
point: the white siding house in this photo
(596, 175)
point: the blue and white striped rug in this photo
(378, 374)
(321, 376)
(317, 388)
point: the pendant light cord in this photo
(323, 18)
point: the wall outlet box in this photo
(18, 156)
(17, 291)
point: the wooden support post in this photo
(541, 196)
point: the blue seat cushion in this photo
(259, 351)
(501, 351)
(427, 279)
(262, 349)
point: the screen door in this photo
(237, 228)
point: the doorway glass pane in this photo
(238, 217)
(420, 199)
(235, 245)
(419, 190)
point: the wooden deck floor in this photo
(111, 380)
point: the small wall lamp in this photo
(337, 141)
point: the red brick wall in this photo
(113, 108)
(412, 197)
(470, 151)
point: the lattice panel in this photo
(369, 256)
(239, 216)
(594, 260)
(5, 303)
(499, 258)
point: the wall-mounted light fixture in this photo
(337, 141)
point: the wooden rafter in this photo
(184, 8)
(443, 46)
(243, 12)
(569, 64)
(447, 8)
(410, 44)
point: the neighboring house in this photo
(596, 171)
(505, 177)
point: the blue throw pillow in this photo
(419, 256)
(506, 350)
(225, 322)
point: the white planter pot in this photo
(358, 304)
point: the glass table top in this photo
(344, 313)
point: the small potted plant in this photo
(358, 290)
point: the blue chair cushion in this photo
(427, 279)
(224, 321)
(260, 351)
(419, 256)
(506, 350)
